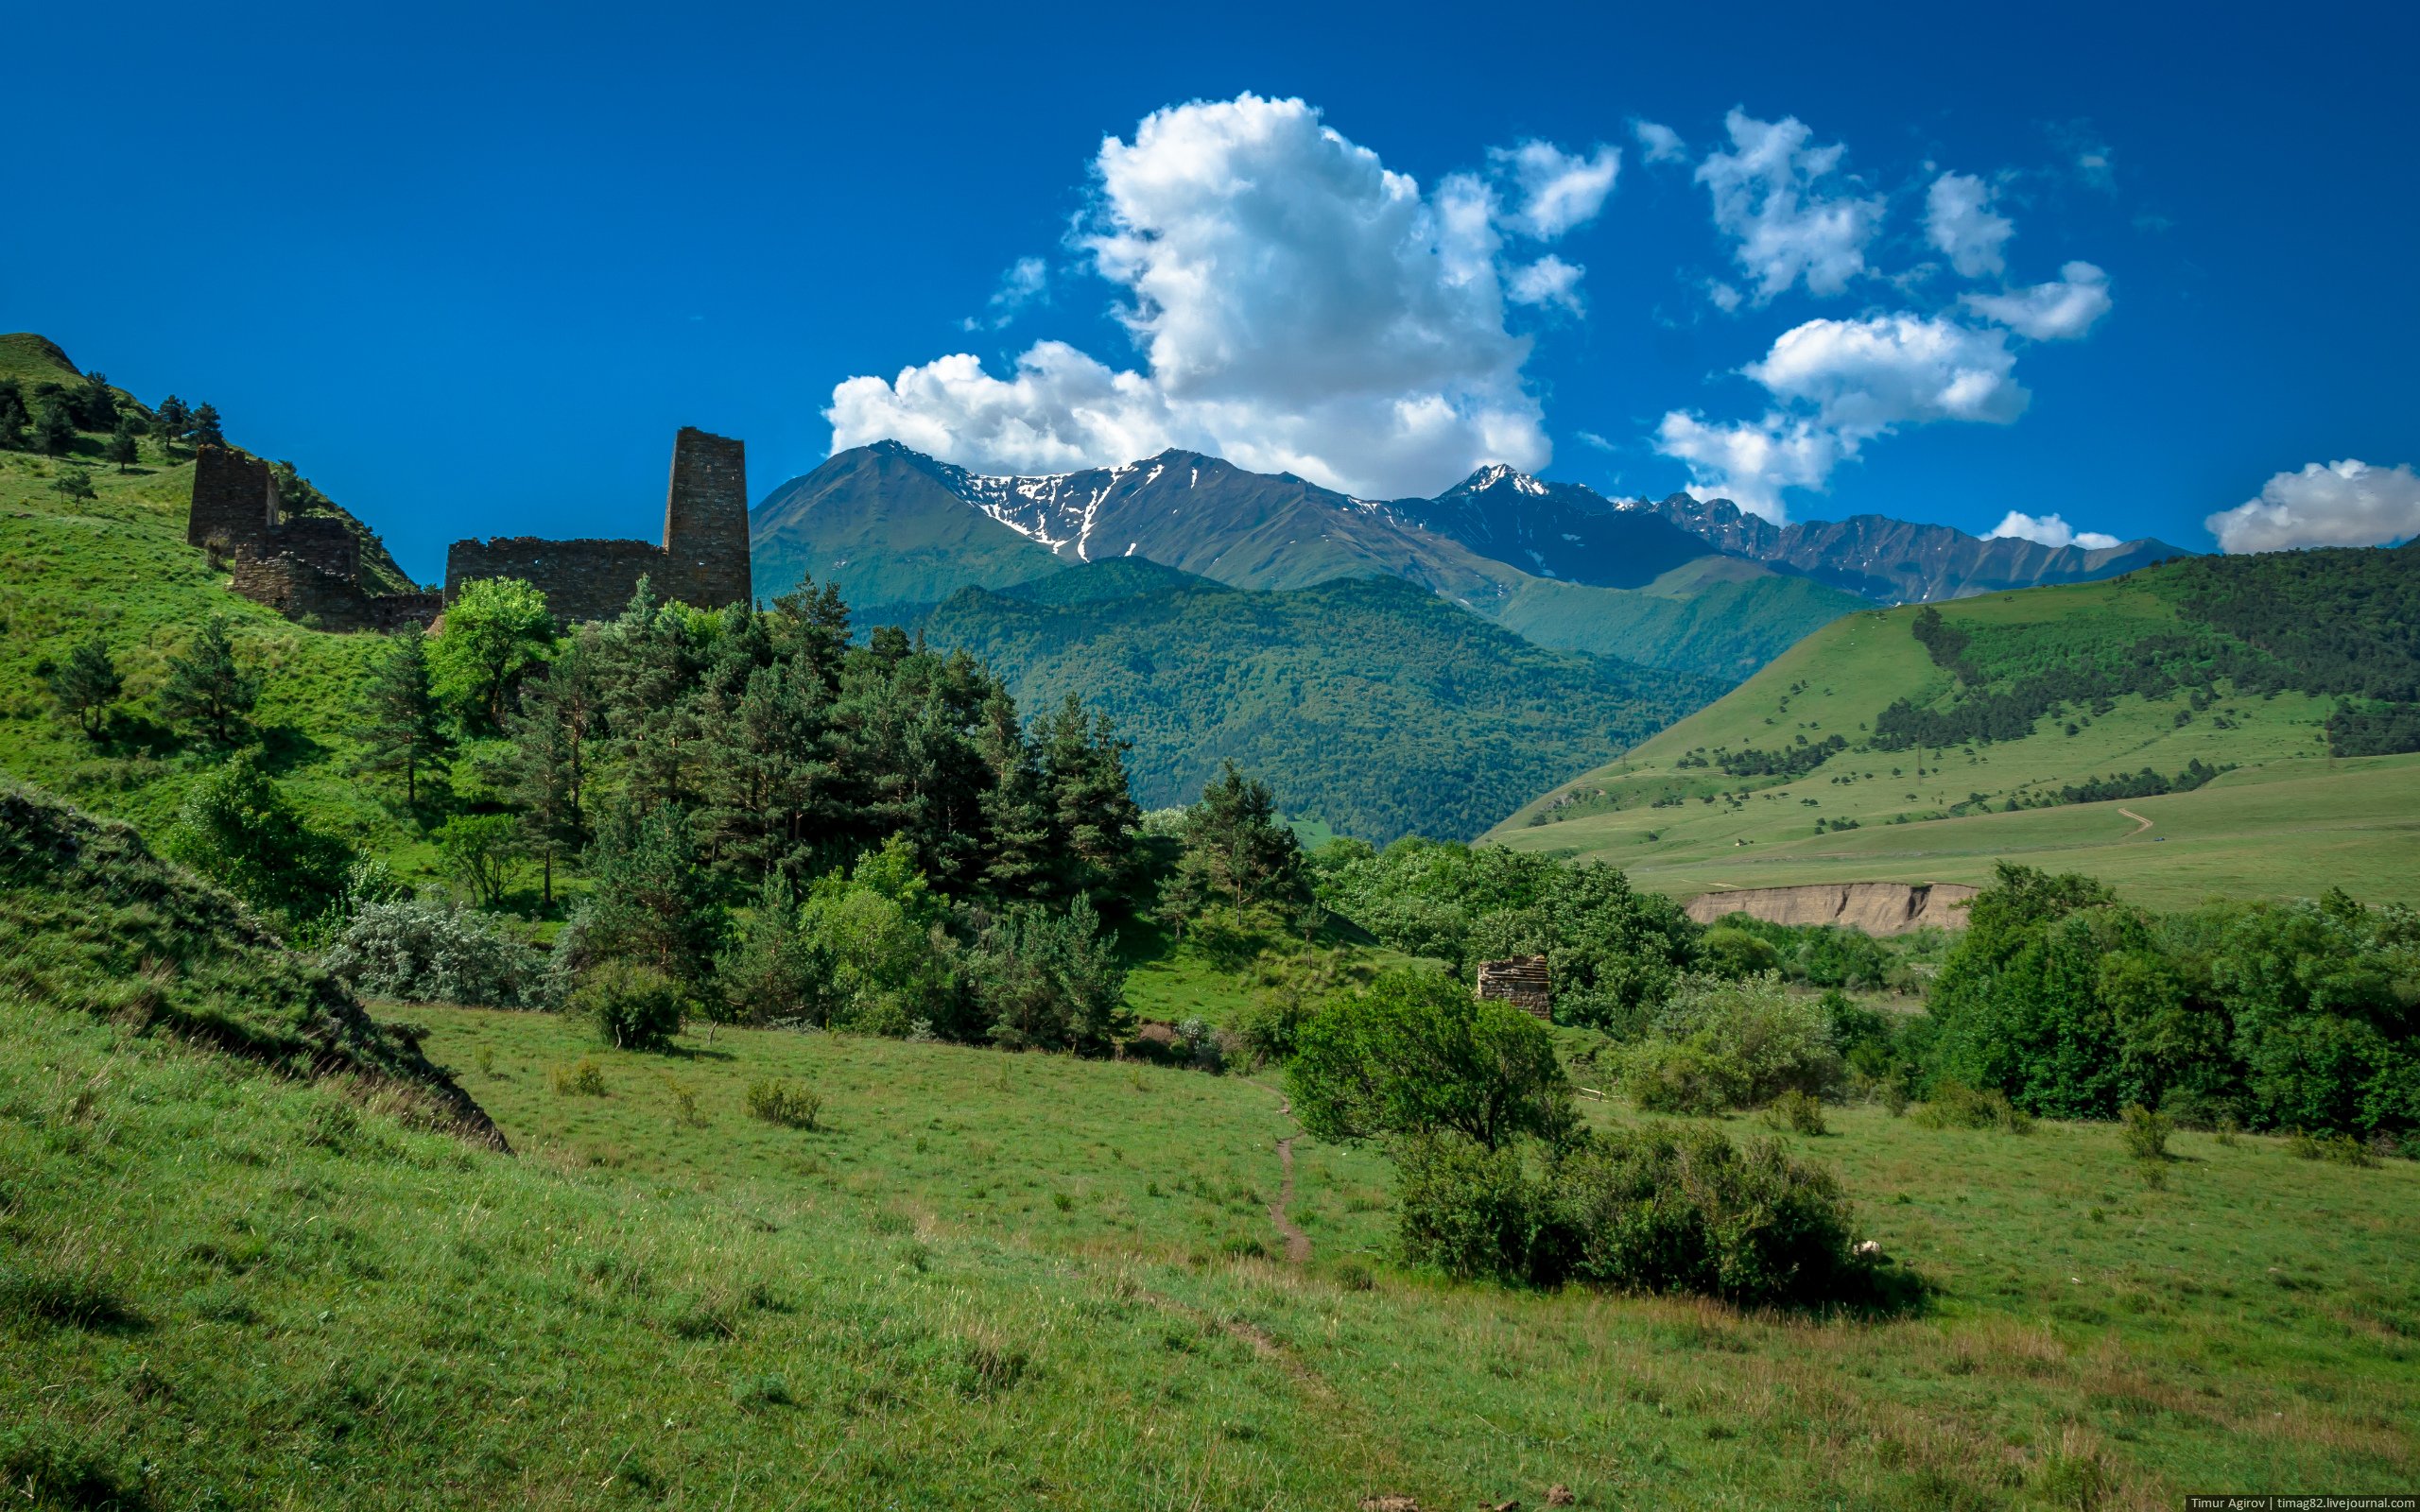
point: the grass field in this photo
(2287, 820)
(986, 1280)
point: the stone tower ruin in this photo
(306, 567)
(703, 560)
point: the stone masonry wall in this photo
(300, 590)
(581, 580)
(234, 499)
(320, 539)
(705, 521)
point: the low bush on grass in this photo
(778, 1102)
(2145, 1132)
(1653, 1209)
(634, 1008)
(1721, 1045)
(1797, 1112)
(1955, 1105)
(586, 1079)
(424, 951)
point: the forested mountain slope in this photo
(1369, 703)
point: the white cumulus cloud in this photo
(1960, 222)
(1548, 281)
(2061, 310)
(1838, 384)
(1659, 143)
(1559, 190)
(1299, 306)
(1787, 206)
(2049, 530)
(2339, 504)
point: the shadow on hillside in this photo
(287, 747)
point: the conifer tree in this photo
(205, 426)
(95, 403)
(539, 775)
(654, 902)
(1238, 852)
(74, 481)
(13, 418)
(1015, 818)
(402, 721)
(206, 691)
(171, 422)
(1094, 816)
(88, 684)
(53, 429)
(123, 448)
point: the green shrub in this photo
(1467, 1209)
(1682, 1076)
(2146, 1132)
(423, 951)
(586, 1079)
(778, 1102)
(1955, 1105)
(634, 1008)
(1684, 1210)
(1797, 1112)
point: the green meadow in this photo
(986, 1279)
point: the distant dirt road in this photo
(2140, 823)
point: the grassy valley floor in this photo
(986, 1281)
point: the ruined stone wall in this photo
(233, 500)
(1521, 980)
(705, 521)
(581, 580)
(302, 589)
(320, 539)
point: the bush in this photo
(2146, 1132)
(778, 1102)
(1658, 1209)
(1046, 981)
(424, 951)
(1666, 1210)
(1797, 1112)
(1955, 1105)
(1682, 1076)
(586, 1079)
(237, 827)
(1202, 1046)
(1732, 1045)
(1416, 1055)
(634, 1008)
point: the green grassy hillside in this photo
(2287, 820)
(988, 1281)
(118, 563)
(1369, 703)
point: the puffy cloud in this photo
(2061, 310)
(1751, 462)
(1559, 190)
(1659, 143)
(1960, 223)
(1299, 307)
(1027, 279)
(1840, 384)
(1771, 192)
(2049, 530)
(1548, 281)
(2340, 504)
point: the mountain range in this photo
(1559, 563)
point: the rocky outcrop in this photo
(1875, 907)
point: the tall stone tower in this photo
(705, 521)
(235, 499)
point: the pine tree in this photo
(123, 448)
(95, 403)
(1094, 816)
(171, 422)
(88, 684)
(1015, 818)
(75, 483)
(538, 773)
(1238, 852)
(205, 427)
(54, 425)
(402, 722)
(206, 691)
(653, 902)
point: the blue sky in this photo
(470, 267)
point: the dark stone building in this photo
(703, 559)
(303, 566)
(1520, 980)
